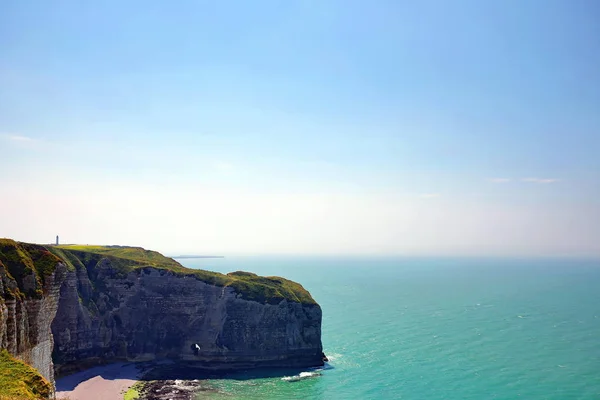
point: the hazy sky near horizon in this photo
(303, 127)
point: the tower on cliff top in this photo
(57, 240)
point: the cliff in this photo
(30, 280)
(98, 304)
(116, 308)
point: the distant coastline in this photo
(196, 256)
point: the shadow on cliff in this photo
(165, 372)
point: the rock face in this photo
(152, 314)
(82, 308)
(28, 304)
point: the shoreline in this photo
(156, 381)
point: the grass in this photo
(134, 391)
(21, 260)
(21, 381)
(126, 259)
(68, 258)
(138, 254)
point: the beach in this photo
(108, 382)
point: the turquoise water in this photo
(440, 329)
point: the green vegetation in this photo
(270, 289)
(134, 391)
(22, 260)
(68, 258)
(21, 381)
(137, 254)
(126, 259)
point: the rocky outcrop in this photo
(92, 305)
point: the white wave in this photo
(301, 376)
(333, 356)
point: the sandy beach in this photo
(108, 382)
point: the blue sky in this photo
(384, 127)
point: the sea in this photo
(417, 328)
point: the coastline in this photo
(164, 381)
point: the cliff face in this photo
(90, 305)
(151, 314)
(30, 280)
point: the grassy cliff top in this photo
(137, 254)
(23, 259)
(21, 381)
(250, 286)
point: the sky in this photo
(329, 127)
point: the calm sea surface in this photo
(440, 329)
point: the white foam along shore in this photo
(107, 382)
(302, 376)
